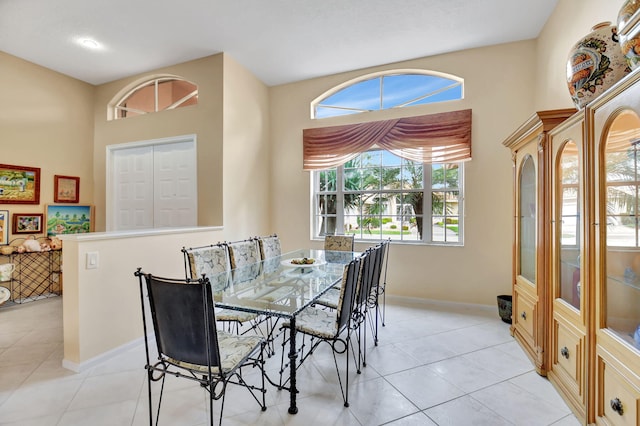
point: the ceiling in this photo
(279, 41)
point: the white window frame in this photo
(427, 216)
(117, 104)
(318, 102)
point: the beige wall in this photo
(204, 120)
(246, 153)
(571, 20)
(46, 121)
(494, 90)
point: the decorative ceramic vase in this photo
(629, 32)
(595, 64)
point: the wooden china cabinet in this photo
(570, 296)
(529, 146)
(615, 264)
(578, 315)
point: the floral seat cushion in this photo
(234, 350)
(330, 298)
(233, 315)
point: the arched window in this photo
(158, 94)
(391, 89)
(400, 178)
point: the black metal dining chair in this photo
(188, 344)
(379, 289)
(364, 302)
(333, 327)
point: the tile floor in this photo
(435, 365)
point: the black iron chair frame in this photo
(340, 342)
(212, 376)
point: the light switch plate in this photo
(92, 260)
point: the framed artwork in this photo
(27, 223)
(19, 185)
(4, 227)
(65, 219)
(66, 189)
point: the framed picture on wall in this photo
(4, 227)
(66, 219)
(66, 189)
(19, 185)
(27, 223)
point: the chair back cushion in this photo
(269, 247)
(184, 320)
(243, 253)
(208, 260)
(338, 242)
(380, 251)
(346, 301)
(366, 277)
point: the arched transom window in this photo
(155, 95)
(391, 89)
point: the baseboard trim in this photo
(414, 301)
(90, 363)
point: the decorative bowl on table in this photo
(302, 262)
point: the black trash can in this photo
(504, 307)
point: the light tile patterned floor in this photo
(435, 365)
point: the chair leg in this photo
(221, 408)
(149, 396)
(346, 391)
(149, 380)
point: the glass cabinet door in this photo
(621, 174)
(527, 223)
(568, 223)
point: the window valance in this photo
(433, 138)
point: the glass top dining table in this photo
(281, 287)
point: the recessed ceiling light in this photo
(88, 43)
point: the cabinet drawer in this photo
(569, 353)
(618, 399)
(524, 315)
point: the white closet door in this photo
(133, 188)
(154, 185)
(175, 195)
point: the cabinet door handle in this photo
(564, 352)
(616, 405)
(523, 315)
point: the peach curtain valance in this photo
(433, 138)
